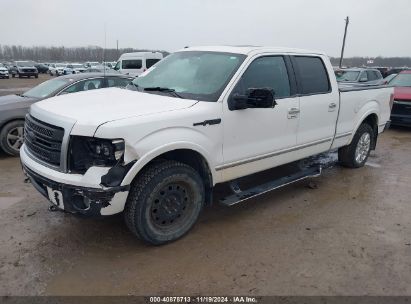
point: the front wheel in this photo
(11, 137)
(36, 76)
(164, 202)
(356, 154)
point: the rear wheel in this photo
(356, 154)
(11, 137)
(164, 202)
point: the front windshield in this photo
(60, 65)
(401, 80)
(77, 66)
(192, 74)
(24, 64)
(46, 88)
(347, 75)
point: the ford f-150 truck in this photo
(200, 117)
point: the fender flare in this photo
(370, 111)
(147, 158)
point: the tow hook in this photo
(27, 180)
(53, 208)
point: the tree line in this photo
(61, 53)
(96, 53)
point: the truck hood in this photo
(93, 108)
(402, 93)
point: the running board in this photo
(239, 195)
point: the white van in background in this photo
(136, 63)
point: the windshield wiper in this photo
(167, 90)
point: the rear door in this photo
(318, 104)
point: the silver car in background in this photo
(362, 76)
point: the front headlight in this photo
(86, 152)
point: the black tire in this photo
(164, 202)
(20, 76)
(348, 156)
(36, 76)
(13, 75)
(11, 137)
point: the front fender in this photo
(148, 157)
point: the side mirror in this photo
(254, 98)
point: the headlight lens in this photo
(86, 152)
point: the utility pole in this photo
(347, 21)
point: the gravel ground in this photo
(349, 233)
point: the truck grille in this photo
(43, 140)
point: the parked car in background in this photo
(359, 76)
(56, 69)
(13, 108)
(4, 72)
(73, 68)
(387, 79)
(100, 69)
(109, 64)
(42, 68)
(396, 70)
(383, 71)
(401, 110)
(136, 63)
(24, 69)
(90, 64)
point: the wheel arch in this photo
(371, 118)
(187, 155)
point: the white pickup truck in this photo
(201, 116)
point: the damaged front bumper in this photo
(85, 201)
(78, 194)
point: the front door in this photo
(255, 138)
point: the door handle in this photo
(293, 113)
(331, 107)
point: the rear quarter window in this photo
(312, 75)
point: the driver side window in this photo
(266, 72)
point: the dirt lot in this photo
(20, 85)
(350, 235)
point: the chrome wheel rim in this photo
(15, 138)
(363, 148)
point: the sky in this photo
(377, 27)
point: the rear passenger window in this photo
(313, 77)
(266, 72)
(151, 62)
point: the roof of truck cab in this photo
(249, 49)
